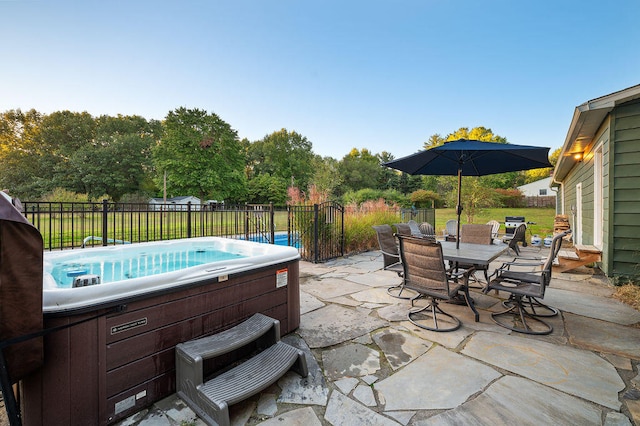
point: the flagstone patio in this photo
(369, 366)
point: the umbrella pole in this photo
(459, 206)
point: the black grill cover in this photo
(21, 256)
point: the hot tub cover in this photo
(21, 253)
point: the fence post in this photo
(105, 222)
(315, 233)
(273, 225)
(188, 219)
(342, 231)
(246, 222)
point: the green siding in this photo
(624, 236)
(606, 263)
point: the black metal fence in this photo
(317, 231)
(75, 225)
(419, 215)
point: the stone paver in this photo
(333, 287)
(393, 313)
(347, 384)
(300, 417)
(374, 295)
(345, 324)
(376, 279)
(592, 306)
(353, 360)
(439, 379)
(450, 340)
(603, 336)
(400, 348)
(309, 303)
(342, 411)
(364, 394)
(577, 372)
(513, 400)
(308, 390)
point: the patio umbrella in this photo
(472, 158)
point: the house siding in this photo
(583, 173)
(607, 262)
(624, 185)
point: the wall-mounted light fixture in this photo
(578, 156)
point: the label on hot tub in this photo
(128, 325)
(282, 277)
(125, 404)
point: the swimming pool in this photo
(280, 239)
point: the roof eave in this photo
(585, 123)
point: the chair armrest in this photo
(516, 262)
(460, 272)
(390, 254)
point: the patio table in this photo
(469, 253)
(476, 254)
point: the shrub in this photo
(511, 198)
(359, 235)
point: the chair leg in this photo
(535, 307)
(521, 320)
(471, 303)
(396, 291)
(431, 311)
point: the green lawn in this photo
(543, 218)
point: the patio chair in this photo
(451, 230)
(403, 229)
(495, 228)
(415, 228)
(391, 257)
(526, 289)
(533, 305)
(476, 234)
(427, 230)
(519, 236)
(425, 273)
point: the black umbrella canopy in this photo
(472, 158)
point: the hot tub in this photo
(136, 302)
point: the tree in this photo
(282, 154)
(326, 176)
(423, 198)
(444, 185)
(264, 189)
(361, 169)
(21, 153)
(62, 134)
(537, 174)
(475, 196)
(118, 160)
(201, 155)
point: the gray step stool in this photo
(211, 400)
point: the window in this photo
(543, 191)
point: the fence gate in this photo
(317, 230)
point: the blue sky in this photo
(381, 75)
